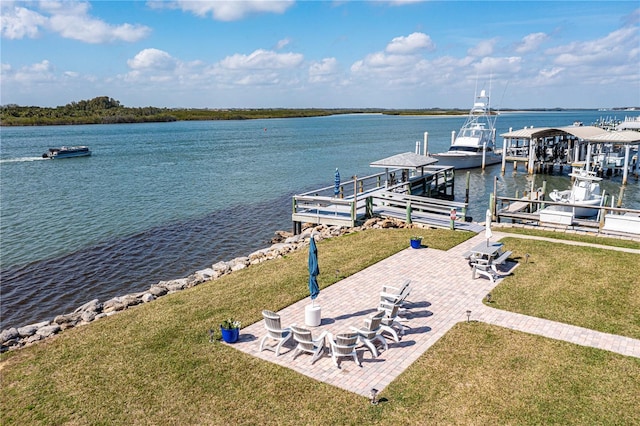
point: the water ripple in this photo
(40, 290)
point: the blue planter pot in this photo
(230, 335)
(416, 244)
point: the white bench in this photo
(483, 267)
(502, 258)
(486, 267)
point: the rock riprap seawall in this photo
(283, 243)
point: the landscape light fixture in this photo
(468, 315)
(526, 258)
(374, 393)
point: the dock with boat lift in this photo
(542, 148)
(534, 209)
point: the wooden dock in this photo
(523, 204)
(371, 196)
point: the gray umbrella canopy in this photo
(314, 270)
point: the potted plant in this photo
(230, 329)
(416, 242)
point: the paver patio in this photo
(442, 291)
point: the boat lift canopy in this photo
(586, 133)
(406, 160)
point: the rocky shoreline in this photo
(283, 243)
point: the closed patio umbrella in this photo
(336, 184)
(487, 226)
(314, 270)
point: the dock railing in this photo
(416, 206)
(346, 209)
(361, 198)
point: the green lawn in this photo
(153, 364)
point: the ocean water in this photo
(159, 201)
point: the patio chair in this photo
(306, 342)
(370, 333)
(342, 345)
(396, 296)
(274, 331)
(390, 320)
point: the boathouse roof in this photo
(406, 160)
(620, 137)
(587, 133)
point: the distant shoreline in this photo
(105, 110)
(34, 116)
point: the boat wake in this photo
(21, 160)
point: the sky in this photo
(321, 54)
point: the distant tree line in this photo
(106, 110)
(100, 110)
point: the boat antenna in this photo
(504, 92)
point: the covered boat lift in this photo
(568, 145)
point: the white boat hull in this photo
(583, 209)
(466, 161)
(579, 208)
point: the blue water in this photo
(159, 201)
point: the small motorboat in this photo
(584, 193)
(67, 152)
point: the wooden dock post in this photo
(494, 201)
(620, 195)
(452, 217)
(504, 155)
(466, 195)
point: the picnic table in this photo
(484, 258)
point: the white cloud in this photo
(19, 22)
(152, 59)
(262, 59)
(72, 20)
(227, 10)
(483, 48)
(69, 19)
(550, 72)
(531, 42)
(507, 66)
(323, 71)
(38, 72)
(413, 43)
(615, 48)
(282, 43)
(259, 68)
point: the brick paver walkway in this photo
(442, 292)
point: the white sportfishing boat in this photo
(475, 143)
(584, 193)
